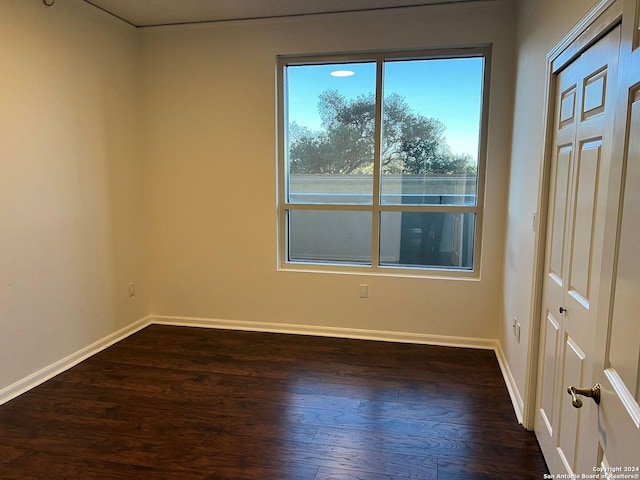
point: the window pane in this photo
(330, 133)
(427, 239)
(431, 131)
(330, 236)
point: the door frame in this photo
(602, 17)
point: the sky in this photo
(446, 89)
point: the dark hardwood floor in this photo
(191, 403)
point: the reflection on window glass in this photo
(437, 240)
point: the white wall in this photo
(71, 233)
(210, 157)
(541, 25)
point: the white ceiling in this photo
(144, 13)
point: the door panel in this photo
(568, 106)
(619, 331)
(595, 94)
(549, 385)
(548, 404)
(588, 166)
(624, 346)
(559, 208)
(618, 369)
(573, 374)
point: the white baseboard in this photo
(325, 331)
(44, 374)
(512, 388)
(60, 366)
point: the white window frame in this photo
(376, 208)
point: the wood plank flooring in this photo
(191, 403)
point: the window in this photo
(381, 161)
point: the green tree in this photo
(412, 143)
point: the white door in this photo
(618, 333)
(580, 161)
(619, 371)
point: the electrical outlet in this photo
(132, 289)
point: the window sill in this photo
(366, 270)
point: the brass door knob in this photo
(593, 392)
